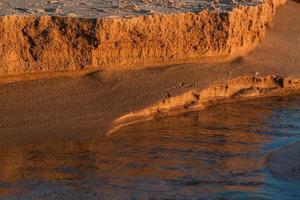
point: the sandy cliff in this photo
(35, 43)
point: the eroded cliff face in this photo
(242, 88)
(37, 44)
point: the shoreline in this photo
(85, 105)
(239, 89)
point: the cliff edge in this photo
(43, 43)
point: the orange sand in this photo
(72, 108)
(33, 44)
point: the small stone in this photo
(39, 10)
(133, 7)
(52, 2)
(51, 9)
(71, 14)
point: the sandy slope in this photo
(81, 107)
(237, 89)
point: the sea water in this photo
(217, 153)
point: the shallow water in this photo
(218, 153)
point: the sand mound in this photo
(233, 90)
(43, 43)
(284, 163)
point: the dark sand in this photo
(82, 107)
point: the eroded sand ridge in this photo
(233, 90)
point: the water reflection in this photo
(214, 153)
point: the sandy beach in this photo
(82, 106)
(60, 106)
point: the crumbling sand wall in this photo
(238, 89)
(36, 44)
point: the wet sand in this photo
(70, 108)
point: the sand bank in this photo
(238, 89)
(285, 163)
(33, 43)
